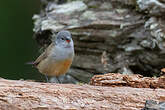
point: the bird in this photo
(57, 57)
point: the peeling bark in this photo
(137, 81)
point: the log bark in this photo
(125, 36)
(28, 95)
(137, 81)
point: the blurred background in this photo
(16, 43)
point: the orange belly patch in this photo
(56, 68)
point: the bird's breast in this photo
(55, 68)
(59, 53)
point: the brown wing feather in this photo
(43, 55)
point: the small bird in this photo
(57, 58)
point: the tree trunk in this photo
(125, 36)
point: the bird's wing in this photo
(43, 55)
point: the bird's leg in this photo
(58, 80)
(47, 80)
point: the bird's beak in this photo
(67, 40)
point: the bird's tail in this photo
(29, 63)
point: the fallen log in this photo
(18, 95)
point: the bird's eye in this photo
(62, 38)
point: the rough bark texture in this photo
(25, 95)
(138, 81)
(125, 36)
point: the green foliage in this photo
(16, 43)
